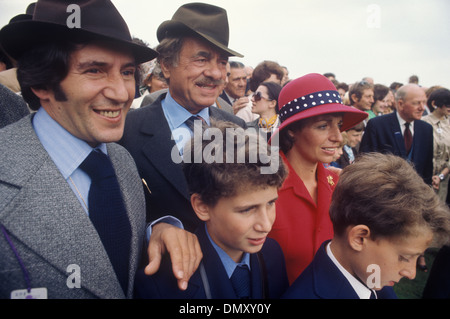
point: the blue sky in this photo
(387, 40)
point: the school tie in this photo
(408, 137)
(373, 295)
(240, 279)
(108, 214)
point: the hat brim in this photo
(19, 37)
(171, 27)
(350, 116)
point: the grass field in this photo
(412, 289)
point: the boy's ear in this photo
(200, 208)
(357, 235)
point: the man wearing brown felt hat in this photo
(60, 235)
(193, 54)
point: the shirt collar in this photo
(434, 119)
(176, 114)
(66, 150)
(229, 264)
(361, 290)
(402, 122)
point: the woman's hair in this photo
(238, 168)
(379, 92)
(286, 140)
(385, 193)
(273, 91)
(441, 98)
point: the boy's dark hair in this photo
(385, 193)
(227, 177)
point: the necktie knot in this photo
(190, 122)
(241, 281)
(97, 165)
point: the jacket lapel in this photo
(398, 134)
(219, 283)
(45, 215)
(329, 282)
(134, 201)
(159, 147)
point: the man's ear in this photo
(165, 70)
(42, 93)
(354, 98)
(200, 208)
(357, 235)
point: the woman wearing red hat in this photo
(312, 118)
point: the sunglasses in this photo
(258, 96)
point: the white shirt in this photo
(361, 290)
(402, 122)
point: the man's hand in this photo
(240, 104)
(435, 181)
(183, 247)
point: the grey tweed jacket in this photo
(49, 228)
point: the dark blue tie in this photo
(240, 279)
(108, 214)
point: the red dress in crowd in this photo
(301, 225)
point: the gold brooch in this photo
(330, 180)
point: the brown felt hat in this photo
(99, 19)
(205, 20)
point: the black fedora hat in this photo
(99, 20)
(205, 20)
(28, 15)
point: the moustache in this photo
(210, 82)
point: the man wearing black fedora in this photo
(72, 207)
(193, 54)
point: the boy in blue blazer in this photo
(384, 217)
(233, 191)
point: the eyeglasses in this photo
(258, 96)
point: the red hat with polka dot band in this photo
(312, 95)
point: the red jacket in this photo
(301, 226)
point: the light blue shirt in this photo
(67, 152)
(176, 116)
(229, 264)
